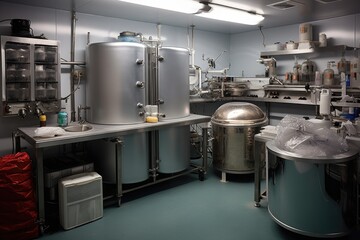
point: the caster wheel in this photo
(119, 202)
(257, 204)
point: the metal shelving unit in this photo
(30, 76)
(336, 48)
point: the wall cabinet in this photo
(30, 76)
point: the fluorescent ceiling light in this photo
(184, 6)
(230, 14)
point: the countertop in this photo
(100, 131)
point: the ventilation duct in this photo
(283, 5)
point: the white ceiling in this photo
(305, 11)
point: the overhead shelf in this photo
(337, 48)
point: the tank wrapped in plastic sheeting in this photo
(18, 213)
(303, 137)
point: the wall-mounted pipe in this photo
(72, 63)
(72, 59)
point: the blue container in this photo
(62, 119)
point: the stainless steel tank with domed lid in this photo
(234, 126)
(173, 96)
(115, 94)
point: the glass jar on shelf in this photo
(51, 89)
(40, 91)
(40, 74)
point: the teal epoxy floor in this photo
(186, 208)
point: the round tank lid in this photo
(128, 34)
(239, 114)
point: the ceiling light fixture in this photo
(183, 6)
(204, 9)
(230, 14)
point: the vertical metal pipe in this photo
(118, 164)
(88, 38)
(72, 59)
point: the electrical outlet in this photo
(79, 73)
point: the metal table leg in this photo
(39, 166)
(118, 145)
(257, 175)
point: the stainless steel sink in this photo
(78, 128)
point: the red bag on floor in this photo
(18, 213)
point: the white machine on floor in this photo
(80, 199)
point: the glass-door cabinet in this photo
(30, 76)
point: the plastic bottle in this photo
(347, 80)
(355, 69)
(318, 80)
(329, 75)
(42, 119)
(295, 75)
(62, 119)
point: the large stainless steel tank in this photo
(312, 196)
(115, 83)
(173, 90)
(234, 126)
(174, 82)
(135, 158)
(174, 149)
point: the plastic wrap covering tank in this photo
(234, 126)
(312, 196)
(174, 82)
(174, 149)
(135, 158)
(115, 87)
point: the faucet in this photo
(81, 121)
(275, 79)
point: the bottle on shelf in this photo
(355, 70)
(318, 80)
(343, 65)
(296, 71)
(329, 74)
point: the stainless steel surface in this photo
(112, 92)
(337, 48)
(135, 158)
(78, 128)
(174, 149)
(314, 197)
(234, 126)
(338, 158)
(239, 114)
(174, 82)
(106, 131)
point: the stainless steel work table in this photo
(97, 132)
(259, 148)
